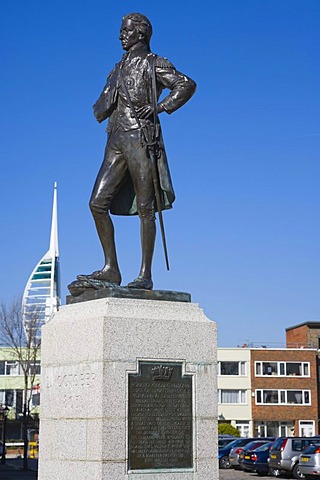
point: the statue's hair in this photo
(143, 24)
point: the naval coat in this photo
(136, 72)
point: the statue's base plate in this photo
(135, 293)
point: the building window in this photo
(244, 428)
(9, 398)
(12, 368)
(9, 368)
(300, 369)
(281, 397)
(12, 398)
(35, 368)
(306, 428)
(261, 429)
(285, 429)
(273, 429)
(269, 368)
(36, 399)
(232, 368)
(286, 369)
(19, 401)
(232, 396)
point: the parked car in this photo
(284, 455)
(235, 451)
(222, 442)
(223, 452)
(250, 447)
(257, 460)
(309, 461)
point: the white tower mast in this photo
(41, 296)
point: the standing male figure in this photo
(124, 184)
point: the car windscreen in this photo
(232, 444)
(254, 444)
(314, 448)
(264, 448)
(277, 443)
(224, 443)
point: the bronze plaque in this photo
(160, 417)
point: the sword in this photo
(151, 141)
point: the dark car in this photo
(226, 435)
(223, 442)
(251, 447)
(257, 460)
(236, 451)
(223, 453)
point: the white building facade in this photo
(234, 389)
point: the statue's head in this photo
(135, 28)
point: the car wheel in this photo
(296, 472)
(274, 472)
(224, 462)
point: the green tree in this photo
(227, 429)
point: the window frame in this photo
(242, 368)
(7, 364)
(14, 364)
(260, 394)
(242, 396)
(36, 365)
(281, 369)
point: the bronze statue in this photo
(134, 177)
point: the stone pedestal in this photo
(99, 361)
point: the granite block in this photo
(88, 351)
(66, 390)
(70, 470)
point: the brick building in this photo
(284, 391)
(306, 335)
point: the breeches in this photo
(124, 153)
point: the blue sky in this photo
(243, 235)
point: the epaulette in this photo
(162, 62)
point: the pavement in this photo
(12, 470)
(232, 474)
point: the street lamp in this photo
(4, 414)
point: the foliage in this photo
(227, 429)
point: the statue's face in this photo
(129, 34)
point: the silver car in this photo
(309, 461)
(284, 455)
(234, 452)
